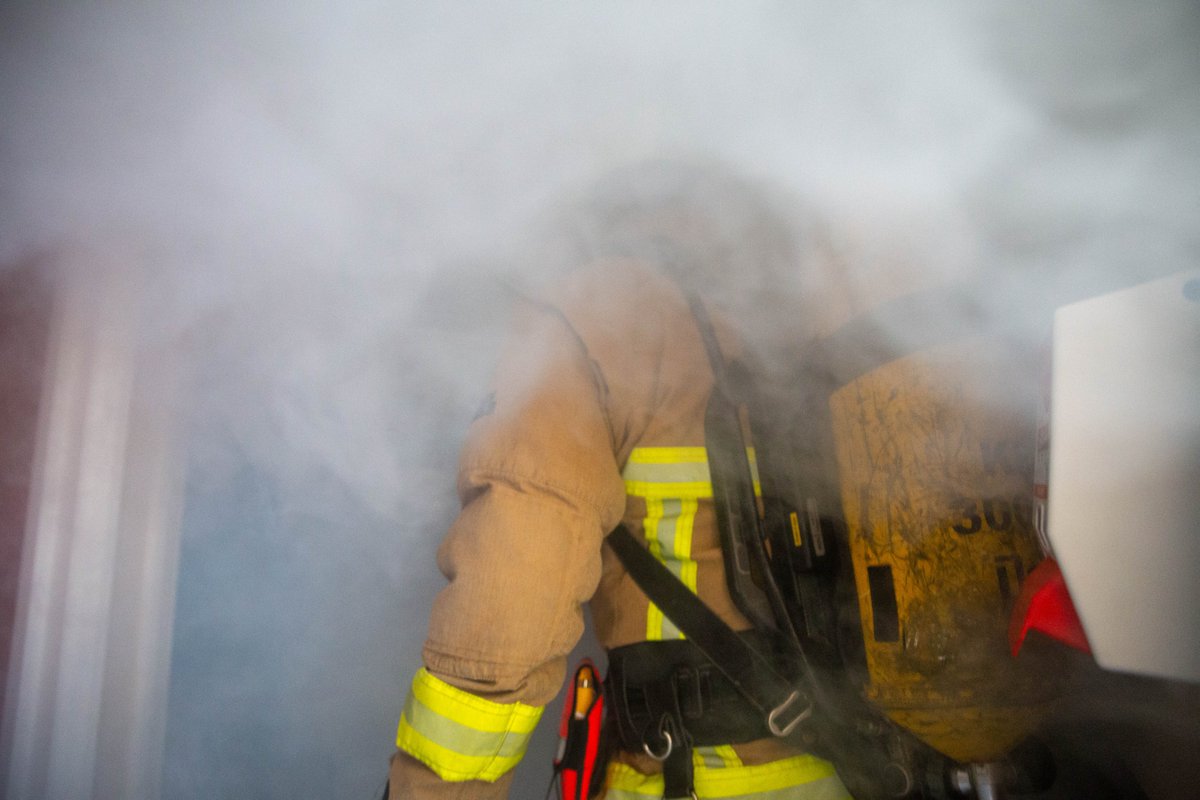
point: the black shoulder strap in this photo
(784, 705)
(709, 336)
(747, 563)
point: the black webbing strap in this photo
(734, 501)
(709, 336)
(782, 704)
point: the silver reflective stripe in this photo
(713, 758)
(667, 473)
(674, 472)
(668, 554)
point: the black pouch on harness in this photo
(651, 679)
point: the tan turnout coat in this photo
(608, 362)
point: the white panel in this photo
(1124, 506)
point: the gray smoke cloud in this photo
(334, 201)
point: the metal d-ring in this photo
(664, 723)
(666, 752)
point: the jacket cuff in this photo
(461, 736)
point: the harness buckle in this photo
(788, 725)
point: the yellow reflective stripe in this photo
(668, 472)
(728, 755)
(815, 775)
(803, 777)
(684, 529)
(675, 472)
(669, 456)
(460, 736)
(623, 782)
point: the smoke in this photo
(332, 201)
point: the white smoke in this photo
(331, 195)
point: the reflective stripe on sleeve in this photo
(460, 736)
(803, 777)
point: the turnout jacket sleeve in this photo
(540, 487)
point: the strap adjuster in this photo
(786, 726)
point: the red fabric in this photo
(1045, 605)
(579, 743)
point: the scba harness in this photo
(717, 686)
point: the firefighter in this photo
(596, 418)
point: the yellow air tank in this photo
(934, 457)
